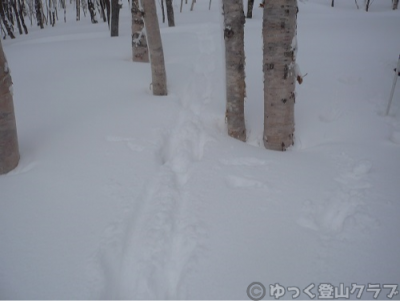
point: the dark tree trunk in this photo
(78, 10)
(21, 15)
(114, 17)
(5, 21)
(14, 6)
(92, 11)
(170, 13)
(333, 3)
(395, 4)
(367, 5)
(102, 10)
(162, 11)
(250, 5)
(108, 11)
(9, 152)
(52, 14)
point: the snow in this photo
(121, 194)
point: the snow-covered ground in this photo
(120, 194)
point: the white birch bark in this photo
(159, 76)
(140, 51)
(235, 61)
(279, 32)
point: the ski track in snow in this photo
(151, 250)
(344, 210)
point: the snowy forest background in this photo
(121, 194)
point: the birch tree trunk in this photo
(170, 13)
(9, 153)
(21, 15)
(235, 61)
(367, 3)
(279, 32)
(92, 11)
(250, 5)
(78, 10)
(14, 6)
(158, 73)
(395, 4)
(114, 17)
(140, 51)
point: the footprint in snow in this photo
(244, 183)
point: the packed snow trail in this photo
(151, 250)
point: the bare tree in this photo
(159, 75)
(6, 19)
(235, 61)
(9, 152)
(140, 51)
(162, 11)
(92, 11)
(333, 3)
(78, 10)
(367, 3)
(115, 7)
(21, 15)
(250, 5)
(170, 13)
(279, 36)
(395, 4)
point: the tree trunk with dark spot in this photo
(140, 51)
(279, 32)
(234, 21)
